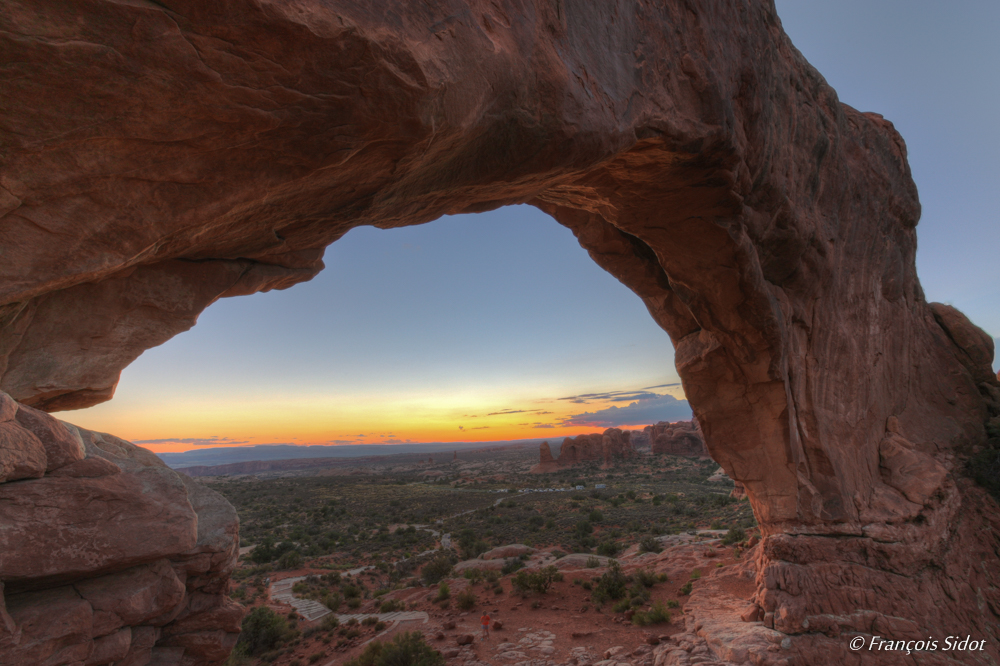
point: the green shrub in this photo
(612, 585)
(696, 574)
(608, 548)
(316, 656)
(536, 581)
(369, 621)
(262, 630)
(290, 560)
(354, 603)
(391, 606)
(466, 599)
(330, 622)
(444, 592)
(473, 575)
(595, 516)
(406, 649)
(645, 578)
(649, 544)
(734, 535)
(511, 565)
(621, 606)
(435, 570)
(592, 563)
(658, 614)
(685, 588)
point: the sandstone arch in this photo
(160, 155)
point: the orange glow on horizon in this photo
(196, 422)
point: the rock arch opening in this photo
(769, 229)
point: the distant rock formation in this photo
(681, 438)
(127, 563)
(641, 441)
(739, 491)
(611, 445)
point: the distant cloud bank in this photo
(648, 408)
(195, 441)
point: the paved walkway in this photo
(399, 616)
(313, 610)
(307, 608)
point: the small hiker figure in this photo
(485, 621)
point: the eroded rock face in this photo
(162, 155)
(607, 447)
(110, 556)
(681, 438)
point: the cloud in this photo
(611, 396)
(480, 428)
(544, 425)
(503, 412)
(214, 440)
(643, 411)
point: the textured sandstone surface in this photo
(607, 447)
(111, 556)
(158, 156)
(681, 438)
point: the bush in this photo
(612, 585)
(473, 575)
(685, 589)
(696, 574)
(316, 656)
(734, 535)
(596, 516)
(536, 581)
(608, 548)
(290, 560)
(391, 606)
(511, 565)
(262, 630)
(369, 621)
(649, 544)
(406, 649)
(645, 578)
(330, 622)
(658, 614)
(621, 606)
(583, 528)
(436, 569)
(466, 599)
(592, 563)
(444, 592)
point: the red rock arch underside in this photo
(160, 155)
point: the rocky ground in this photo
(562, 626)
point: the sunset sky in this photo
(498, 326)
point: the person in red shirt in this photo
(485, 621)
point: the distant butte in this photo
(158, 156)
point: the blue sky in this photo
(499, 326)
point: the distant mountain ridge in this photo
(269, 452)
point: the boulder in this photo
(112, 557)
